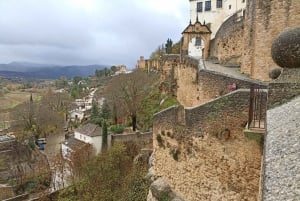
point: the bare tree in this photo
(127, 91)
(39, 118)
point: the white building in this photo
(76, 115)
(91, 134)
(85, 134)
(214, 12)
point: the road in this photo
(53, 153)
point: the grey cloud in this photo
(116, 32)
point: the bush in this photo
(117, 129)
(164, 196)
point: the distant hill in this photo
(46, 71)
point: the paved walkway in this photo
(233, 71)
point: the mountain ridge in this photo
(29, 70)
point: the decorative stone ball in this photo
(274, 73)
(286, 49)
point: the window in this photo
(207, 5)
(229, 7)
(198, 41)
(243, 1)
(199, 7)
(219, 3)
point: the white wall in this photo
(215, 16)
(80, 115)
(95, 141)
(195, 51)
(66, 151)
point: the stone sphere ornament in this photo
(274, 73)
(286, 49)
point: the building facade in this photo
(85, 134)
(214, 12)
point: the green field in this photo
(9, 101)
(12, 99)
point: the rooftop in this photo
(89, 129)
(73, 143)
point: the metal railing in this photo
(257, 108)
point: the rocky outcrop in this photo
(161, 190)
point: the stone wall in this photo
(207, 157)
(167, 116)
(143, 139)
(231, 110)
(6, 192)
(284, 88)
(196, 87)
(18, 198)
(264, 21)
(147, 64)
(227, 45)
(227, 112)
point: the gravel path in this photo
(282, 153)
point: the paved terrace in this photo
(232, 71)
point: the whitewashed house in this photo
(85, 134)
(214, 12)
(76, 115)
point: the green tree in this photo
(76, 79)
(62, 82)
(109, 176)
(104, 135)
(176, 48)
(168, 46)
(159, 52)
(105, 111)
(99, 73)
(95, 113)
(114, 69)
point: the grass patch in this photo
(258, 137)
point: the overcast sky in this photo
(108, 32)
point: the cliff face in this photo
(206, 156)
(19, 165)
(210, 169)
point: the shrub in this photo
(164, 196)
(116, 129)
